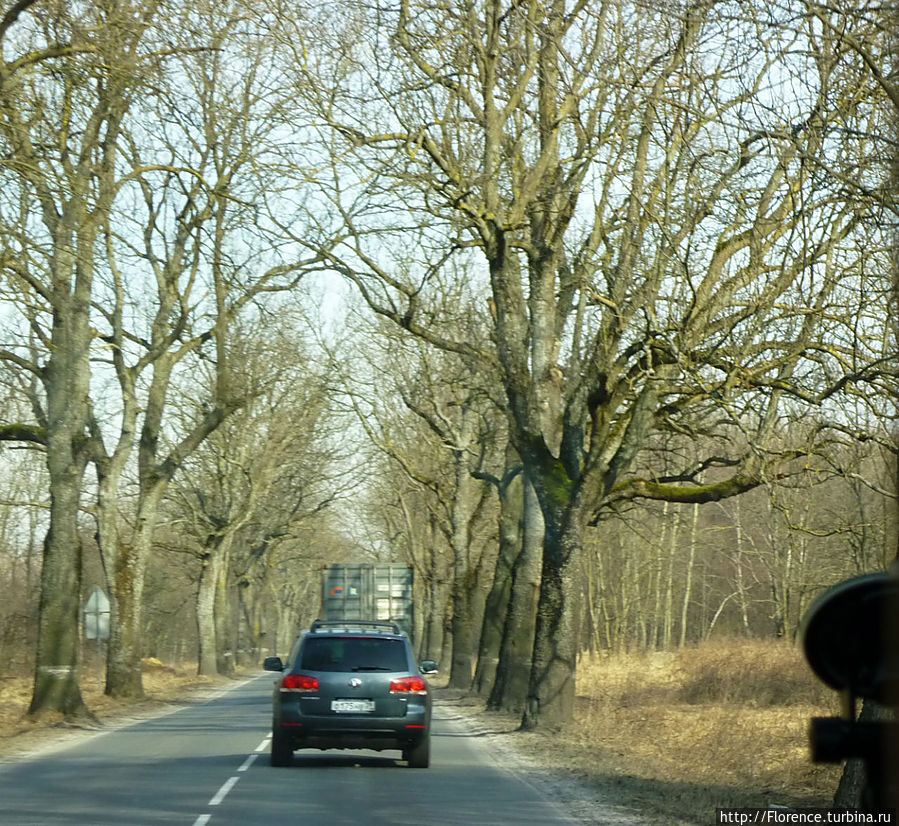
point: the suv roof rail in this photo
(355, 625)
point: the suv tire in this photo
(282, 753)
(419, 755)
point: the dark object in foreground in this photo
(351, 685)
(850, 635)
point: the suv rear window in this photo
(353, 654)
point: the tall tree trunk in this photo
(214, 615)
(462, 636)
(210, 577)
(500, 596)
(225, 636)
(429, 642)
(550, 700)
(669, 585)
(510, 688)
(252, 610)
(688, 584)
(56, 686)
(440, 637)
(446, 639)
(124, 676)
(463, 506)
(287, 622)
(657, 569)
(66, 380)
(738, 564)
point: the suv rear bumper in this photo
(350, 736)
(377, 741)
(354, 731)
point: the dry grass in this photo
(676, 735)
(162, 685)
(722, 724)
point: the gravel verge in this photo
(531, 756)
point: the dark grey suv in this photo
(351, 685)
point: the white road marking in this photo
(264, 744)
(202, 820)
(223, 791)
(248, 762)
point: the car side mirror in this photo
(849, 638)
(846, 637)
(273, 664)
(428, 667)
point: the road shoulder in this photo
(528, 755)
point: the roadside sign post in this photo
(96, 622)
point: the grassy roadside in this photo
(164, 685)
(674, 735)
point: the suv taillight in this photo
(299, 682)
(409, 685)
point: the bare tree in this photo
(256, 483)
(67, 83)
(204, 157)
(661, 248)
(430, 415)
(153, 217)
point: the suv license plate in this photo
(352, 706)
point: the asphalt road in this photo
(207, 763)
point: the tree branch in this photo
(18, 432)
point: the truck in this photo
(368, 591)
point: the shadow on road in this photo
(324, 760)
